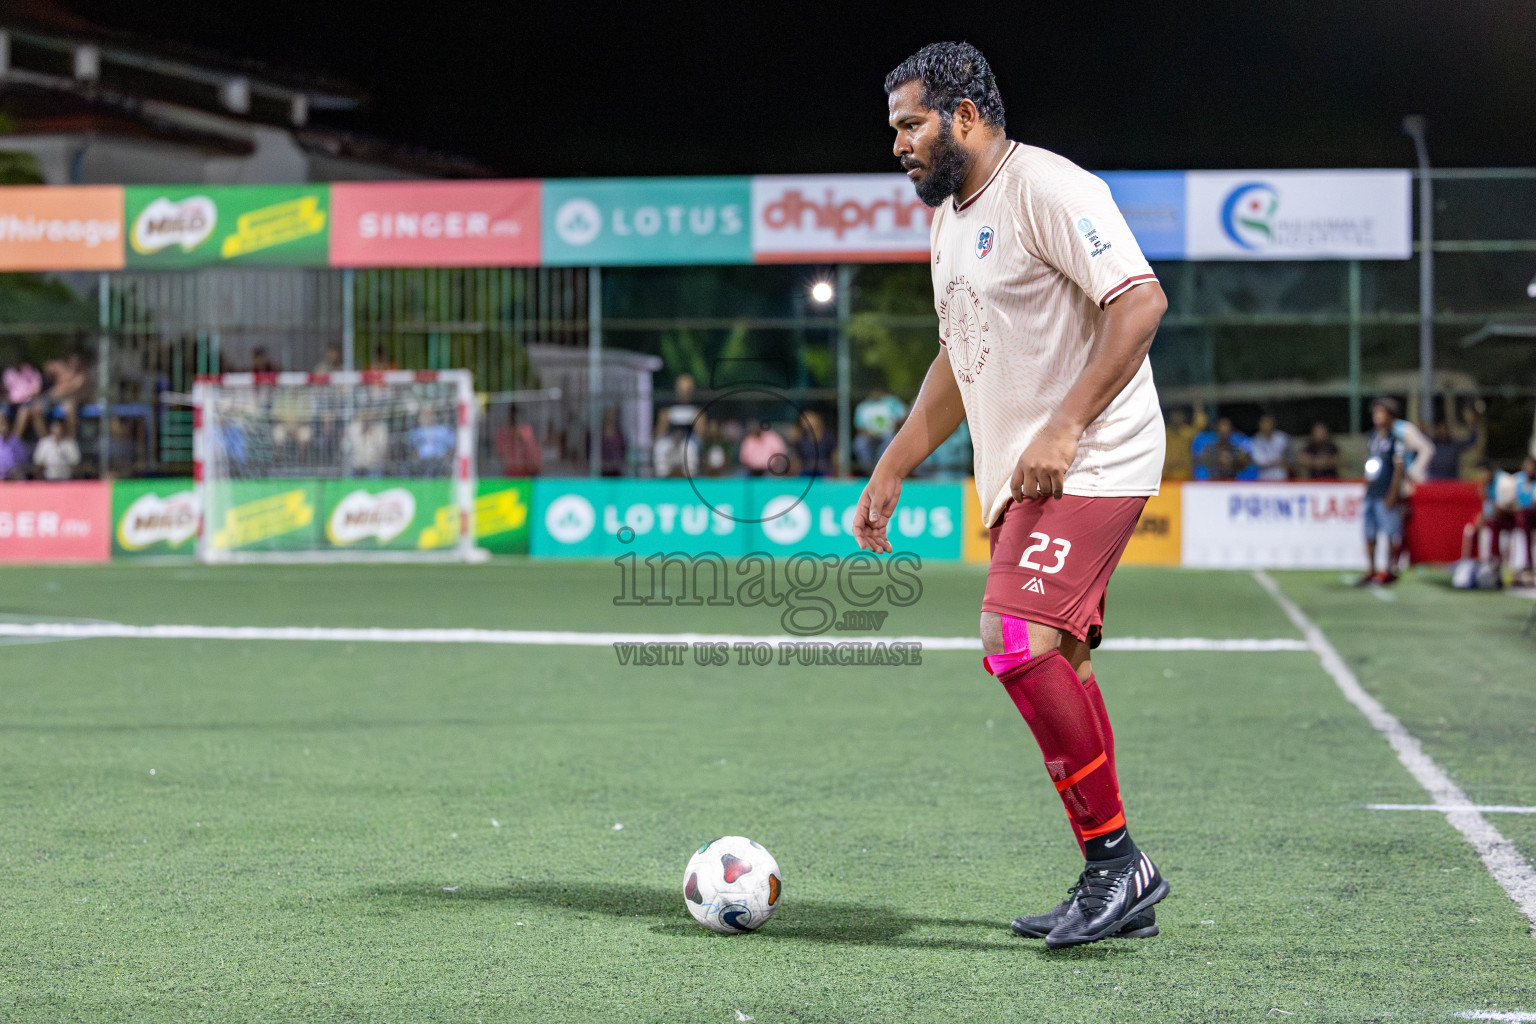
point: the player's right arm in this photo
(935, 415)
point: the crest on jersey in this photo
(983, 242)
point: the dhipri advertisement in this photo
(1298, 215)
(55, 522)
(1273, 525)
(646, 221)
(71, 228)
(435, 224)
(869, 218)
(206, 225)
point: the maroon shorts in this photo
(1051, 559)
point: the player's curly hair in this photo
(951, 72)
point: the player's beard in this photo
(947, 165)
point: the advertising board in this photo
(1298, 215)
(55, 522)
(211, 225)
(646, 221)
(815, 218)
(1272, 525)
(435, 224)
(78, 227)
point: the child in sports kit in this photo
(1028, 252)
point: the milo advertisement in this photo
(154, 517)
(207, 225)
(503, 516)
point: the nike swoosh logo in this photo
(1111, 845)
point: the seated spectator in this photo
(1319, 457)
(717, 449)
(1500, 517)
(380, 360)
(1223, 456)
(433, 441)
(331, 361)
(1269, 449)
(1180, 434)
(261, 362)
(875, 421)
(816, 447)
(22, 385)
(519, 450)
(613, 446)
(366, 443)
(1445, 464)
(57, 454)
(64, 385)
(293, 413)
(763, 452)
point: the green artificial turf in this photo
(398, 832)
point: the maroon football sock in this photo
(1062, 715)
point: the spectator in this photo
(57, 454)
(1179, 459)
(520, 452)
(763, 452)
(1445, 464)
(433, 441)
(1525, 508)
(1501, 514)
(366, 443)
(331, 361)
(1269, 448)
(381, 360)
(875, 421)
(1224, 457)
(613, 447)
(293, 413)
(261, 362)
(22, 385)
(815, 448)
(1385, 472)
(64, 385)
(1319, 458)
(719, 446)
(13, 450)
(675, 451)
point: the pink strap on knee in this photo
(1015, 644)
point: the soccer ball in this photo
(732, 885)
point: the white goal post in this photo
(374, 465)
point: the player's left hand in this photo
(1042, 469)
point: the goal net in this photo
(375, 465)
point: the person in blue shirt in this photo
(1385, 469)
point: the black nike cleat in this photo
(1142, 926)
(1109, 894)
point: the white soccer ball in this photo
(732, 885)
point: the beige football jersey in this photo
(1021, 274)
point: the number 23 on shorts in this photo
(1061, 547)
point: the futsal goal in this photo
(355, 466)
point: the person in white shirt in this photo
(1268, 449)
(56, 454)
(1047, 309)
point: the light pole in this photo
(1413, 127)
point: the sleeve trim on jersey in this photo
(999, 170)
(1123, 287)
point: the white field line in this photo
(1498, 854)
(1479, 808)
(565, 638)
(1512, 1015)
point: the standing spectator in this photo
(1319, 458)
(675, 448)
(815, 448)
(1269, 448)
(1179, 459)
(875, 421)
(1525, 508)
(56, 454)
(763, 451)
(1445, 464)
(613, 449)
(13, 450)
(1224, 457)
(1385, 471)
(520, 452)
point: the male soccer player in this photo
(1047, 310)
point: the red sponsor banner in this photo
(866, 218)
(72, 228)
(55, 522)
(435, 224)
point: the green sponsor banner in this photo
(577, 518)
(647, 221)
(264, 515)
(504, 516)
(396, 515)
(153, 517)
(208, 225)
(818, 519)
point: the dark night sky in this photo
(573, 88)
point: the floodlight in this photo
(822, 292)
